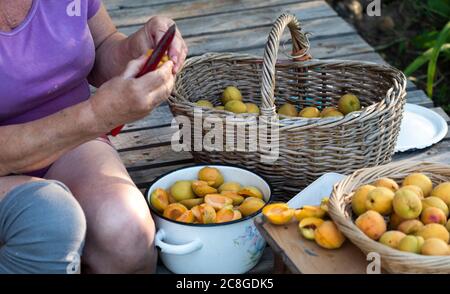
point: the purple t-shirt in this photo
(45, 61)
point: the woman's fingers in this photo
(178, 52)
(133, 67)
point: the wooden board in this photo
(303, 256)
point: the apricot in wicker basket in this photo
(287, 109)
(201, 188)
(309, 112)
(250, 206)
(211, 175)
(204, 103)
(237, 199)
(407, 204)
(236, 106)
(174, 211)
(395, 221)
(380, 200)
(307, 227)
(252, 108)
(433, 215)
(410, 227)
(159, 199)
(392, 238)
(250, 191)
(434, 231)
(433, 201)
(420, 180)
(328, 236)
(442, 191)
(182, 190)
(386, 183)
(278, 213)
(359, 199)
(231, 93)
(372, 224)
(219, 107)
(435, 246)
(413, 188)
(348, 103)
(331, 113)
(411, 244)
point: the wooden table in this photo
(237, 26)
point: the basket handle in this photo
(300, 52)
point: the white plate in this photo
(316, 191)
(420, 128)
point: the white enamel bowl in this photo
(230, 248)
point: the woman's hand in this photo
(149, 36)
(125, 98)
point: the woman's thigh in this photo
(9, 182)
(116, 213)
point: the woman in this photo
(62, 185)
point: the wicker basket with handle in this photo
(307, 147)
(392, 260)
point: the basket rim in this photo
(176, 99)
(357, 236)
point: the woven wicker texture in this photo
(308, 148)
(392, 260)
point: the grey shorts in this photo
(42, 229)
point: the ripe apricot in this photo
(218, 201)
(435, 246)
(189, 203)
(420, 180)
(387, 183)
(278, 213)
(201, 188)
(159, 199)
(308, 226)
(211, 175)
(434, 231)
(372, 224)
(433, 215)
(415, 189)
(251, 205)
(237, 199)
(392, 238)
(186, 217)
(225, 214)
(328, 236)
(230, 186)
(433, 201)
(174, 211)
(380, 200)
(250, 191)
(411, 226)
(309, 211)
(411, 244)
(442, 191)
(182, 190)
(359, 199)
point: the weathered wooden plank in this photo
(439, 152)
(442, 113)
(150, 157)
(243, 19)
(161, 116)
(185, 9)
(419, 97)
(124, 4)
(145, 138)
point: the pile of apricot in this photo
(207, 200)
(314, 222)
(410, 217)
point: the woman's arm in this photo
(114, 50)
(35, 145)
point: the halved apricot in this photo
(237, 215)
(217, 201)
(230, 186)
(189, 203)
(174, 210)
(250, 191)
(237, 199)
(308, 226)
(201, 188)
(208, 213)
(278, 213)
(186, 217)
(197, 213)
(309, 211)
(251, 205)
(171, 199)
(159, 199)
(224, 215)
